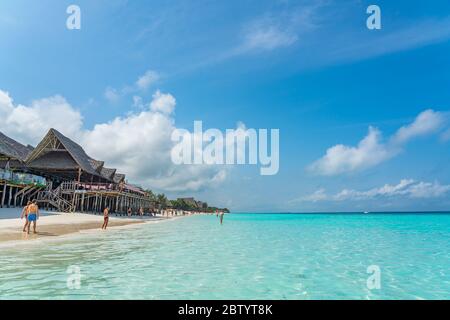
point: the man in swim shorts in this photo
(25, 215)
(105, 218)
(33, 215)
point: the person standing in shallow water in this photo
(221, 217)
(105, 218)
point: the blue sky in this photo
(310, 68)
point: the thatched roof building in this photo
(75, 181)
(59, 158)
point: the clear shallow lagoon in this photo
(252, 256)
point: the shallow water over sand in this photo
(252, 256)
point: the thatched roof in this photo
(77, 152)
(13, 149)
(97, 165)
(108, 173)
(118, 178)
(57, 156)
(60, 158)
(56, 142)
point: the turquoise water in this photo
(252, 256)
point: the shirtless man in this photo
(105, 218)
(33, 215)
(25, 215)
(221, 217)
(141, 212)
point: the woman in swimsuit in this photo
(105, 218)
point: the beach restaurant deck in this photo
(60, 175)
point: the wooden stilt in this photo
(82, 201)
(10, 196)
(3, 194)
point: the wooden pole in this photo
(4, 194)
(82, 202)
(73, 201)
(15, 197)
(10, 196)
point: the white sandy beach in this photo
(58, 224)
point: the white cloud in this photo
(340, 158)
(190, 178)
(268, 38)
(387, 190)
(30, 123)
(143, 83)
(316, 196)
(146, 80)
(138, 102)
(371, 150)
(406, 188)
(428, 190)
(138, 144)
(164, 103)
(427, 122)
(112, 95)
(276, 30)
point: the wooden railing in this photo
(71, 186)
(53, 197)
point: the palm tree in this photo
(161, 199)
(151, 195)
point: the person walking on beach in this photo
(33, 216)
(141, 212)
(130, 212)
(25, 215)
(105, 218)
